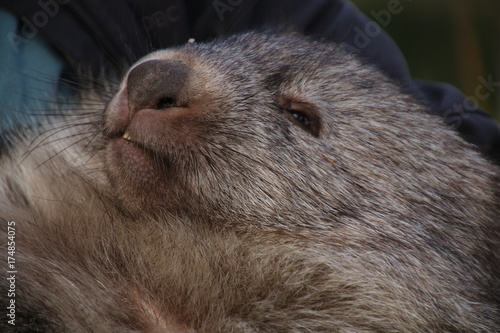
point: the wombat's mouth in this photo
(131, 151)
(127, 136)
(128, 139)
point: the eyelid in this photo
(308, 110)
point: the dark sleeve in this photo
(475, 125)
(95, 32)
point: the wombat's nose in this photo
(156, 84)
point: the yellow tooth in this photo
(126, 136)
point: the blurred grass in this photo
(453, 41)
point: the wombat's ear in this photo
(303, 114)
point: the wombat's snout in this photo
(156, 84)
(152, 92)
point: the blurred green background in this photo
(453, 41)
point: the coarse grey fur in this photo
(279, 185)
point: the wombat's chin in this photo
(135, 160)
(138, 175)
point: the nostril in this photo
(164, 103)
(156, 84)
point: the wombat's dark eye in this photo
(166, 102)
(302, 114)
(301, 118)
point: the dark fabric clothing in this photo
(475, 125)
(107, 34)
(93, 32)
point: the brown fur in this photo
(226, 214)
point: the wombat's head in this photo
(268, 128)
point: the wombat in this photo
(265, 182)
